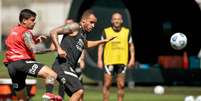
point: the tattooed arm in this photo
(65, 29)
(70, 28)
(28, 39)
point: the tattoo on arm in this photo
(29, 41)
(72, 27)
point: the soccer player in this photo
(80, 66)
(69, 51)
(116, 55)
(20, 55)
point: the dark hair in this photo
(87, 13)
(26, 14)
(117, 12)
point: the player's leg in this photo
(61, 91)
(82, 97)
(19, 87)
(73, 86)
(77, 95)
(79, 73)
(36, 69)
(18, 79)
(120, 86)
(70, 80)
(107, 82)
(47, 73)
(121, 81)
(21, 95)
(50, 78)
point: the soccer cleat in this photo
(51, 97)
(58, 98)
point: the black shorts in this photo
(19, 70)
(78, 71)
(67, 77)
(115, 69)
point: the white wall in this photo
(50, 13)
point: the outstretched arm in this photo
(90, 44)
(30, 43)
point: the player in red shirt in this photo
(20, 56)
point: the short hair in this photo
(26, 14)
(87, 13)
(117, 12)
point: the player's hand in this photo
(40, 39)
(100, 64)
(62, 53)
(131, 64)
(109, 39)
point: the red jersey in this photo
(16, 47)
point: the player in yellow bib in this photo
(118, 54)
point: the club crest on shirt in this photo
(80, 45)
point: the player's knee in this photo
(50, 79)
(80, 92)
(107, 84)
(47, 72)
(52, 74)
(121, 85)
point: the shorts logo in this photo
(63, 80)
(15, 85)
(33, 69)
(110, 67)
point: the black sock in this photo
(49, 88)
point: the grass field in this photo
(137, 94)
(93, 93)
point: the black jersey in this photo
(73, 45)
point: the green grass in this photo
(93, 93)
(136, 94)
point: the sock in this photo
(49, 88)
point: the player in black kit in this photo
(69, 51)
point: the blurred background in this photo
(152, 24)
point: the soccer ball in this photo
(189, 98)
(159, 90)
(178, 41)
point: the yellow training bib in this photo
(116, 51)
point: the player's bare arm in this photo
(70, 28)
(132, 55)
(29, 41)
(90, 44)
(82, 63)
(31, 44)
(100, 53)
